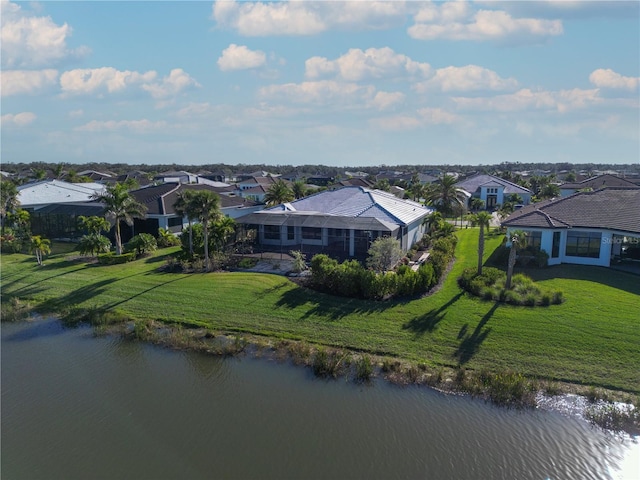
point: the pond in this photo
(79, 406)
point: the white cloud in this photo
(306, 18)
(138, 126)
(19, 119)
(422, 118)
(76, 113)
(320, 92)
(467, 78)
(17, 82)
(86, 81)
(387, 100)
(607, 78)
(455, 21)
(31, 41)
(357, 65)
(526, 99)
(177, 81)
(239, 57)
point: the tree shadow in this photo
(30, 285)
(120, 302)
(430, 320)
(470, 343)
(76, 296)
(47, 328)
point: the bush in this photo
(111, 259)
(166, 238)
(142, 243)
(248, 262)
(94, 244)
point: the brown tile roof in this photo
(614, 208)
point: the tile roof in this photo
(600, 181)
(356, 202)
(473, 183)
(613, 208)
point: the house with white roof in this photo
(40, 194)
(341, 222)
(494, 191)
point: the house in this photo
(594, 183)
(341, 222)
(159, 201)
(494, 191)
(588, 228)
(176, 177)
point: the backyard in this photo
(592, 338)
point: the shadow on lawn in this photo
(120, 302)
(329, 306)
(430, 320)
(30, 285)
(77, 296)
(470, 343)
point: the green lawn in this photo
(593, 338)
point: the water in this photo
(75, 406)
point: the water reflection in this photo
(107, 408)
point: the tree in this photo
(445, 196)
(121, 206)
(383, 184)
(518, 240)
(221, 231)
(185, 208)
(93, 224)
(550, 190)
(279, 192)
(166, 238)
(142, 243)
(94, 243)
(476, 204)
(206, 206)
(481, 219)
(40, 246)
(299, 189)
(384, 254)
(8, 200)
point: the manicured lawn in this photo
(593, 338)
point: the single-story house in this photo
(341, 222)
(494, 191)
(33, 196)
(595, 183)
(588, 228)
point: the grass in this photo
(591, 339)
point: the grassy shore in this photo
(591, 339)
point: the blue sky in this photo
(360, 83)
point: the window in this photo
(583, 244)
(555, 248)
(291, 233)
(175, 221)
(534, 239)
(311, 233)
(272, 232)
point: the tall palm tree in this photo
(445, 196)
(184, 208)
(121, 206)
(40, 246)
(299, 189)
(278, 193)
(8, 200)
(518, 240)
(206, 207)
(481, 219)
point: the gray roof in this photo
(473, 183)
(56, 191)
(600, 181)
(614, 208)
(348, 207)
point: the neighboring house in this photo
(139, 176)
(97, 177)
(494, 191)
(54, 206)
(594, 183)
(160, 200)
(588, 228)
(255, 188)
(341, 222)
(176, 177)
(353, 182)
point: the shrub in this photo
(299, 264)
(364, 368)
(166, 238)
(142, 243)
(94, 244)
(111, 259)
(248, 262)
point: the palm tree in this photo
(206, 207)
(278, 193)
(222, 230)
(120, 204)
(299, 189)
(481, 219)
(8, 200)
(40, 246)
(445, 196)
(518, 240)
(184, 208)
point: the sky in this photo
(347, 84)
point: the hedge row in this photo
(351, 279)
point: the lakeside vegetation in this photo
(591, 339)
